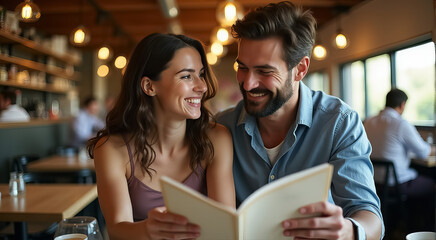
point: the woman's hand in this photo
(162, 224)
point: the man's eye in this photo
(265, 72)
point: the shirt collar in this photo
(391, 112)
(304, 113)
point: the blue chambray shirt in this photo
(326, 130)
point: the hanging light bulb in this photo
(319, 52)
(103, 71)
(217, 49)
(80, 36)
(120, 62)
(228, 12)
(28, 11)
(341, 41)
(104, 53)
(212, 59)
(235, 66)
(222, 35)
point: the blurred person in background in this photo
(394, 138)
(9, 110)
(87, 123)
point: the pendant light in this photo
(319, 52)
(80, 36)
(120, 62)
(228, 12)
(28, 11)
(340, 40)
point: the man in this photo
(9, 110)
(86, 124)
(393, 138)
(282, 127)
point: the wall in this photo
(373, 27)
(40, 140)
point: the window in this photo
(378, 81)
(352, 90)
(415, 71)
(317, 81)
(365, 83)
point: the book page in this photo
(216, 220)
(264, 211)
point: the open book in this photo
(260, 216)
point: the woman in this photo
(159, 126)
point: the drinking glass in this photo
(80, 224)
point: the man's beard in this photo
(273, 104)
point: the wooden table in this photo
(60, 166)
(44, 203)
(428, 162)
(57, 163)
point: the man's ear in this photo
(147, 86)
(302, 68)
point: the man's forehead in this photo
(260, 52)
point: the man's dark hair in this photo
(88, 101)
(296, 28)
(9, 94)
(395, 98)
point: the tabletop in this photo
(46, 202)
(428, 162)
(58, 163)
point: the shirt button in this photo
(272, 177)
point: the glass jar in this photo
(21, 184)
(13, 184)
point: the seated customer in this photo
(393, 138)
(87, 123)
(9, 110)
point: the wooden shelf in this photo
(46, 88)
(33, 123)
(31, 65)
(7, 37)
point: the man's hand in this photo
(162, 224)
(329, 225)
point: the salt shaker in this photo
(13, 184)
(21, 184)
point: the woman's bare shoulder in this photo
(218, 132)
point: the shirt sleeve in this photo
(353, 186)
(413, 141)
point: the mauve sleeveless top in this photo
(144, 198)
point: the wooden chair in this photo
(393, 201)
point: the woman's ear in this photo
(147, 86)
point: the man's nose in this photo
(250, 81)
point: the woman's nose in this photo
(200, 85)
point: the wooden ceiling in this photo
(122, 23)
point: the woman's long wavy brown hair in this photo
(133, 113)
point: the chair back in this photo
(391, 197)
(20, 162)
(20, 165)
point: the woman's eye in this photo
(202, 75)
(186, 76)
